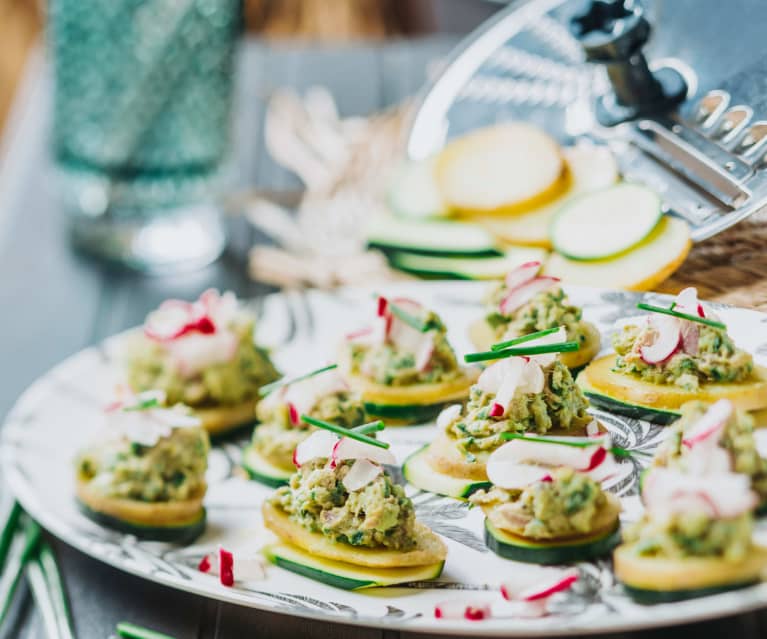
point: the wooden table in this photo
(55, 302)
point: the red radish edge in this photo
(519, 275)
(360, 333)
(504, 305)
(476, 613)
(204, 565)
(295, 418)
(564, 584)
(546, 479)
(225, 567)
(470, 612)
(295, 461)
(382, 305)
(600, 454)
(496, 410)
(703, 497)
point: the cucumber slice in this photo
(419, 472)
(431, 238)
(547, 553)
(182, 533)
(343, 575)
(506, 168)
(413, 192)
(636, 411)
(640, 269)
(650, 597)
(605, 223)
(261, 470)
(467, 268)
(405, 413)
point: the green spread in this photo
(547, 309)
(387, 364)
(376, 516)
(233, 382)
(563, 507)
(717, 359)
(691, 535)
(276, 437)
(561, 406)
(737, 438)
(173, 469)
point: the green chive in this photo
(371, 427)
(6, 536)
(132, 631)
(25, 541)
(615, 450)
(524, 338)
(673, 313)
(343, 432)
(409, 319)
(562, 347)
(144, 405)
(268, 388)
(50, 569)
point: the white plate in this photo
(60, 412)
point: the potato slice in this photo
(506, 168)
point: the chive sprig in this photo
(344, 432)
(523, 338)
(273, 386)
(562, 347)
(685, 316)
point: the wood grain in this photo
(19, 27)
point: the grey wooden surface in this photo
(55, 302)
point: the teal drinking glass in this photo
(142, 102)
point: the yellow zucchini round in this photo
(599, 376)
(430, 548)
(417, 394)
(220, 420)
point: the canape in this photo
(403, 364)
(146, 476)
(343, 521)
(526, 302)
(694, 539)
(202, 354)
(670, 357)
(718, 438)
(546, 504)
(321, 394)
(531, 393)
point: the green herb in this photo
(562, 347)
(6, 536)
(371, 427)
(22, 549)
(46, 560)
(409, 319)
(673, 313)
(615, 450)
(268, 388)
(132, 631)
(343, 432)
(522, 339)
(144, 404)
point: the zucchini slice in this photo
(179, 521)
(451, 239)
(602, 384)
(551, 552)
(660, 579)
(344, 575)
(421, 474)
(262, 470)
(466, 268)
(605, 223)
(429, 550)
(413, 191)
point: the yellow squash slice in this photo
(218, 420)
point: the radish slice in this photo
(522, 274)
(546, 359)
(205, 564)
(538, 583)
(167, 322)
(690, 332)
(710, 425)
(448, 416)
(521, 295)
(301, 396)
(592, 429)
(348, 448)
(667, 492)
(687, 302)
(361, 474)
(225, 567)
(425, 353)
(665, 339)
(516, 476)
(383, 305)
(459, 609)
(318, 445)
(293, 414)
(249, 568)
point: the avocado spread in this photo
(376, 516)
(717, 359)
(691, 535)
(173, 469)
(737, 438)
(277, 437)
(563, 507)
(561, 406)
(234, 381)
(547, 309)
(386, 363)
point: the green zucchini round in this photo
(406, 413)
(649, 597)
(550, 552)
(636, 411)
(420, 474)
(261, 470)
(181, 533)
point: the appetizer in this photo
(321, 394)
(403, 365)
(146, 477)
(526, 302)
(714, 438)
(672, 356)
(694, 539)
(546, 505)
(202, 354)
(532, 392)
(343, 521)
